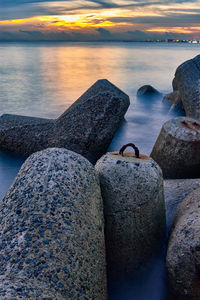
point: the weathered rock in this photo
(174, 101)
(148, 92)
(174, 84)
(187, 82)
(52, 230)
(177, 148)
(132, 190)
(87, 127)
(175, 191)
(8, 121)
(183, 255)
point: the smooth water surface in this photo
(43, 79)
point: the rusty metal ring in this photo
(137, 153)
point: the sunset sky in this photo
(79, 20)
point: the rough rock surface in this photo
(87, 127)
(187, 82)
(176, 190)
(177, 148)
(183, 255)
(174, 85)
(8, 121)
(148, 92)
(52, 230)
(132, 190)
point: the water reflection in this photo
(43, 79)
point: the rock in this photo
(132, 190)
(187, 81)
(174, 85)
(52, 230)
(87, 127)
(183, 254)
(173, 100)
(148, 92)
(175, 191)
(9, 121)
(177, 148)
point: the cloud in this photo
(12, 9)
(95, 35)
(111, 19)
(104, 32)
(171, 20)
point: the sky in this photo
(99, 20)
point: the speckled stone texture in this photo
(177, 148)
(87, 127)
(187, 82)
(176, 190)
(132, 190)
(8, 121)
(183, 255)
(52, 230)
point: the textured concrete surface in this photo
(183, 255)
(177, 148)
(176, 190)
(87, 127)
(187, 82)
(132, 190)
(8, 121)
(52, 230)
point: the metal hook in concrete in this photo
(137, 153)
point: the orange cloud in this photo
(186, 30)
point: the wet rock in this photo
(87, 127)
(148, 92)
(52, 230)
(173, 100)
(187, 82)
(183, 254)
(132, 190)
(177, 148)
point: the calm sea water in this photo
(43, 79)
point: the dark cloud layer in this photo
(10, 9)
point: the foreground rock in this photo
(132, 190)
(187, 82)
(175, 191)
(87, 127)
(148, 92)
(52, 230)
(177, 148)
(183, 255)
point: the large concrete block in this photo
(87, 127)
(177, 148)
(187, 82)
(132, 190)
(52, 230)
(183, 254)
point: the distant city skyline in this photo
(99, 20)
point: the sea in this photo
(43, 79)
